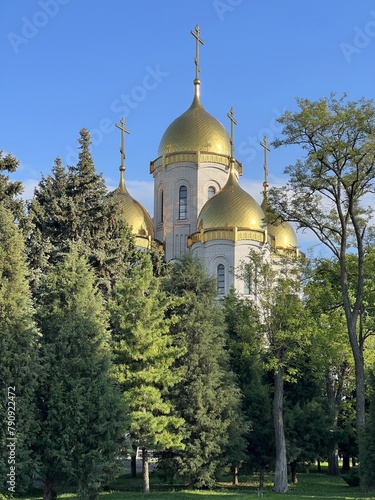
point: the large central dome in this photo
(195, 130)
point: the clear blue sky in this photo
(68, 64)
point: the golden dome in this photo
(195, 130)
(135, 215)
(283, 232)
(231, 207)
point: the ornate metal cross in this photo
(230, 115)
(266, 148)
(198, 40)
(122, 149)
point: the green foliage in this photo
(286, 333)
(307, 430)
(367, 453)
(10, 190)
(71, 207)
(336, 136)
(144, 355)
(327, 193)
(81, 408)
(19, 367)
(330, 354)
(246, 347)
(352, 478)
(206, 398)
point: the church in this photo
(199, 205)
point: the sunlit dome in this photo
(231, 207)
(195, 130)
(283, 232)
(135, 215)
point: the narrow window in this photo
(211, 192)
(182, 213)
(221, 279)
(161, 205)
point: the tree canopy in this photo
(329, 192)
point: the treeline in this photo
(106, 349)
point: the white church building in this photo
(199, 205)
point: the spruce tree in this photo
(49, 239)
(81, 407)
(87, 190)
(206, 398)
(11, 190)
(71, 207)
(144, 355)
(19, 367)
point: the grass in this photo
(309, 486)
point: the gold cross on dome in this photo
(264, 145)
(198, 40)
(230, 115)
(123, 132)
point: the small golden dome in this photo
(231, 207)
(283, 232)
(195, 130)
(135, 215)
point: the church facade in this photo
(199, 205)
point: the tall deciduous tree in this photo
(327, 194)
(246, 345)
(19, 367)
(283, 322)
(144, 355)
(367, 455)
(206, 398)
(81, 407)
(332, 349)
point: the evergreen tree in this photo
(10, 190)
(19, 367)
(144, 356)
(50, 237)
(81, 407)
(87, 190)
(206, 398)
(71, 207)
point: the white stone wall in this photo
(231, 254)
(168, 180)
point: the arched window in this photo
(182, 203)
(161, 206)
(221, 279)
(211, 192)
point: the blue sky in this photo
(68, 64)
